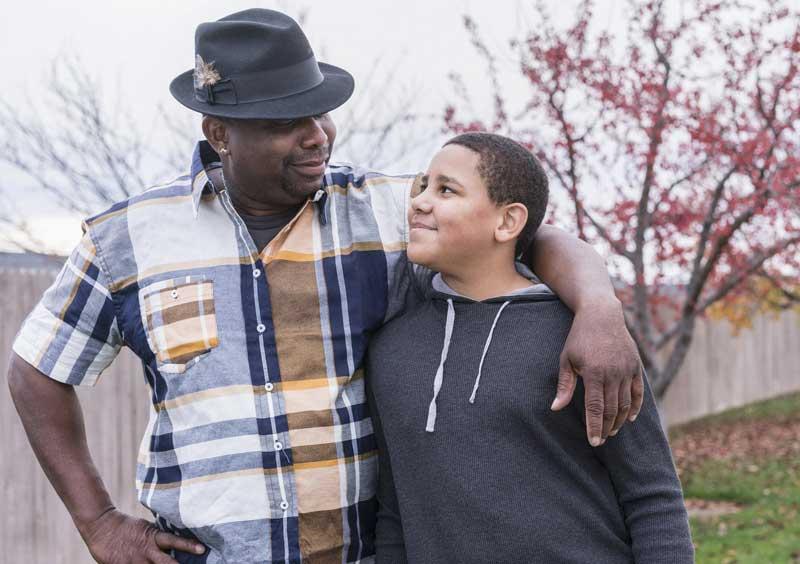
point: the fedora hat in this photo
(257, 64)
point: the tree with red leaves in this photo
(677, 145)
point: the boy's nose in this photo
(420, 203)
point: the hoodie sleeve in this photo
(389, 539)
(640, 463)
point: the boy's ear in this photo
(511, 222)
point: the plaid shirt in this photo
(259, 441)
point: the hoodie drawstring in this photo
(485, 349)
(448, 335)
(437, 381)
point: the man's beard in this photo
(302, 191)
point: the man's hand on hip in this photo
(600, 350)
(117, 538)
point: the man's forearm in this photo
(571, 268)
(53, 421)
(599, 348)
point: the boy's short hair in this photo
(511, 174)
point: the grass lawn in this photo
(749, 458)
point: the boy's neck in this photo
(483, 281)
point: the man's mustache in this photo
(311, 157)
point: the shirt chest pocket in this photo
(179, 321)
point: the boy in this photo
(475, 467)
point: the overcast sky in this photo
(134, 49)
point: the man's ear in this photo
(216, 133)
(511, 222)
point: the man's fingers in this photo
(637, 394)
(167, 541)
(594, 403)
(610, 407)
(566, 385)
(158, 557)
(624, 406)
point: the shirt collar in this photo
(204, 160)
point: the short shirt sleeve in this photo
(410, 283)
(72, 334)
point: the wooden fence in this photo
(35, 527)
(721, 371)
(724, 370)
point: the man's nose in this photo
(313, 134)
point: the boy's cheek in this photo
(416, 251)
(424, 253)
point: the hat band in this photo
(263, 85)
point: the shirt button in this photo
(261, 328)
(268, 386)
(284, 505)
(278, 445)
(174, 294)
(256, 273)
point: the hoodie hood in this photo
(443, 292)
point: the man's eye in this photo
(289, 123)
(281, 123)
(446, 189)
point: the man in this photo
(249, 289)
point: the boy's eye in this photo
(446, 189)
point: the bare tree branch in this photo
(82, 156)
(85, 156)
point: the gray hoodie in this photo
(474, 465)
